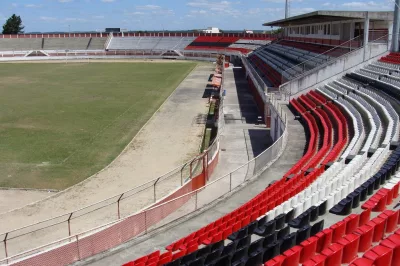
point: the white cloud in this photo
(280, 1)
(32, 5)
(65, 1)
(369, 5)
(75, 20)
(148, 7)
(44, 18)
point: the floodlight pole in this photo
(396, 27)
(287, 9)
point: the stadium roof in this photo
(330, 16)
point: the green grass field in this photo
(61, 123)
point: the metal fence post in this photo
(69, 224)
(195, 202)
(77, 246)
(5, 245)
(230, 182)
(119, 199)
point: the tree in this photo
(13, 25)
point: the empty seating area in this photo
(316, 48)
(65, 43)
(149, 43)
(97, 43)
(223, 43)
(249, 45)
(350, 164)
(289, 59)
(20, 44)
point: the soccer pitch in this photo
(61, 123)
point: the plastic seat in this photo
(380, 255)
(223, 261)
(379, 225)
(317, 260)
(303, 234)
(324, 239)
(362, 262)
(244, 242)
(269, 239)
(309, 248)
(339, 229)
(272, 250)
(317, 227)
(213, 256)
(174, 262)
(292, 256)
(255, 259)
(213, 239)
(283, 232)
(229, 249)
(217, 246)
(393, 242)
(240, 256)
(239, 234)
(197, 262)
(280, 221)
(366, 233)
(252, 227)
(203, 252)
(391, 218)
(288, 242)
(189, 257)
(277, 261)
(165, 258)
(333, 254)
(267, 229)
(350, 245)
(352, 223)
(256, 247)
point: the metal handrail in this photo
(324, 53)
(305, 73)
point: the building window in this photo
(335, 29)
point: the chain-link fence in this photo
(86, 244)
(118, 223)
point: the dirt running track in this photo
(169, 139)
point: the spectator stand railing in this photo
(86, 244)
(346, 45)
(350, 45)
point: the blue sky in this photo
(84, 15)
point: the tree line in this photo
(13, 25)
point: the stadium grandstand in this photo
(331, 76)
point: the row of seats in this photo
(392, 58)
(149, 43)
(249, 45)
(272, 204)
(270, 75)
(343, 244)
(316, 48)
(301, 197)
(28, 44)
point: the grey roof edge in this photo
(375, 15)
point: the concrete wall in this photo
(277, 124)
(333, 70)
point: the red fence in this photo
(254, 36)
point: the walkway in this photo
(185, 226)
(170, 138)
(242, 138)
